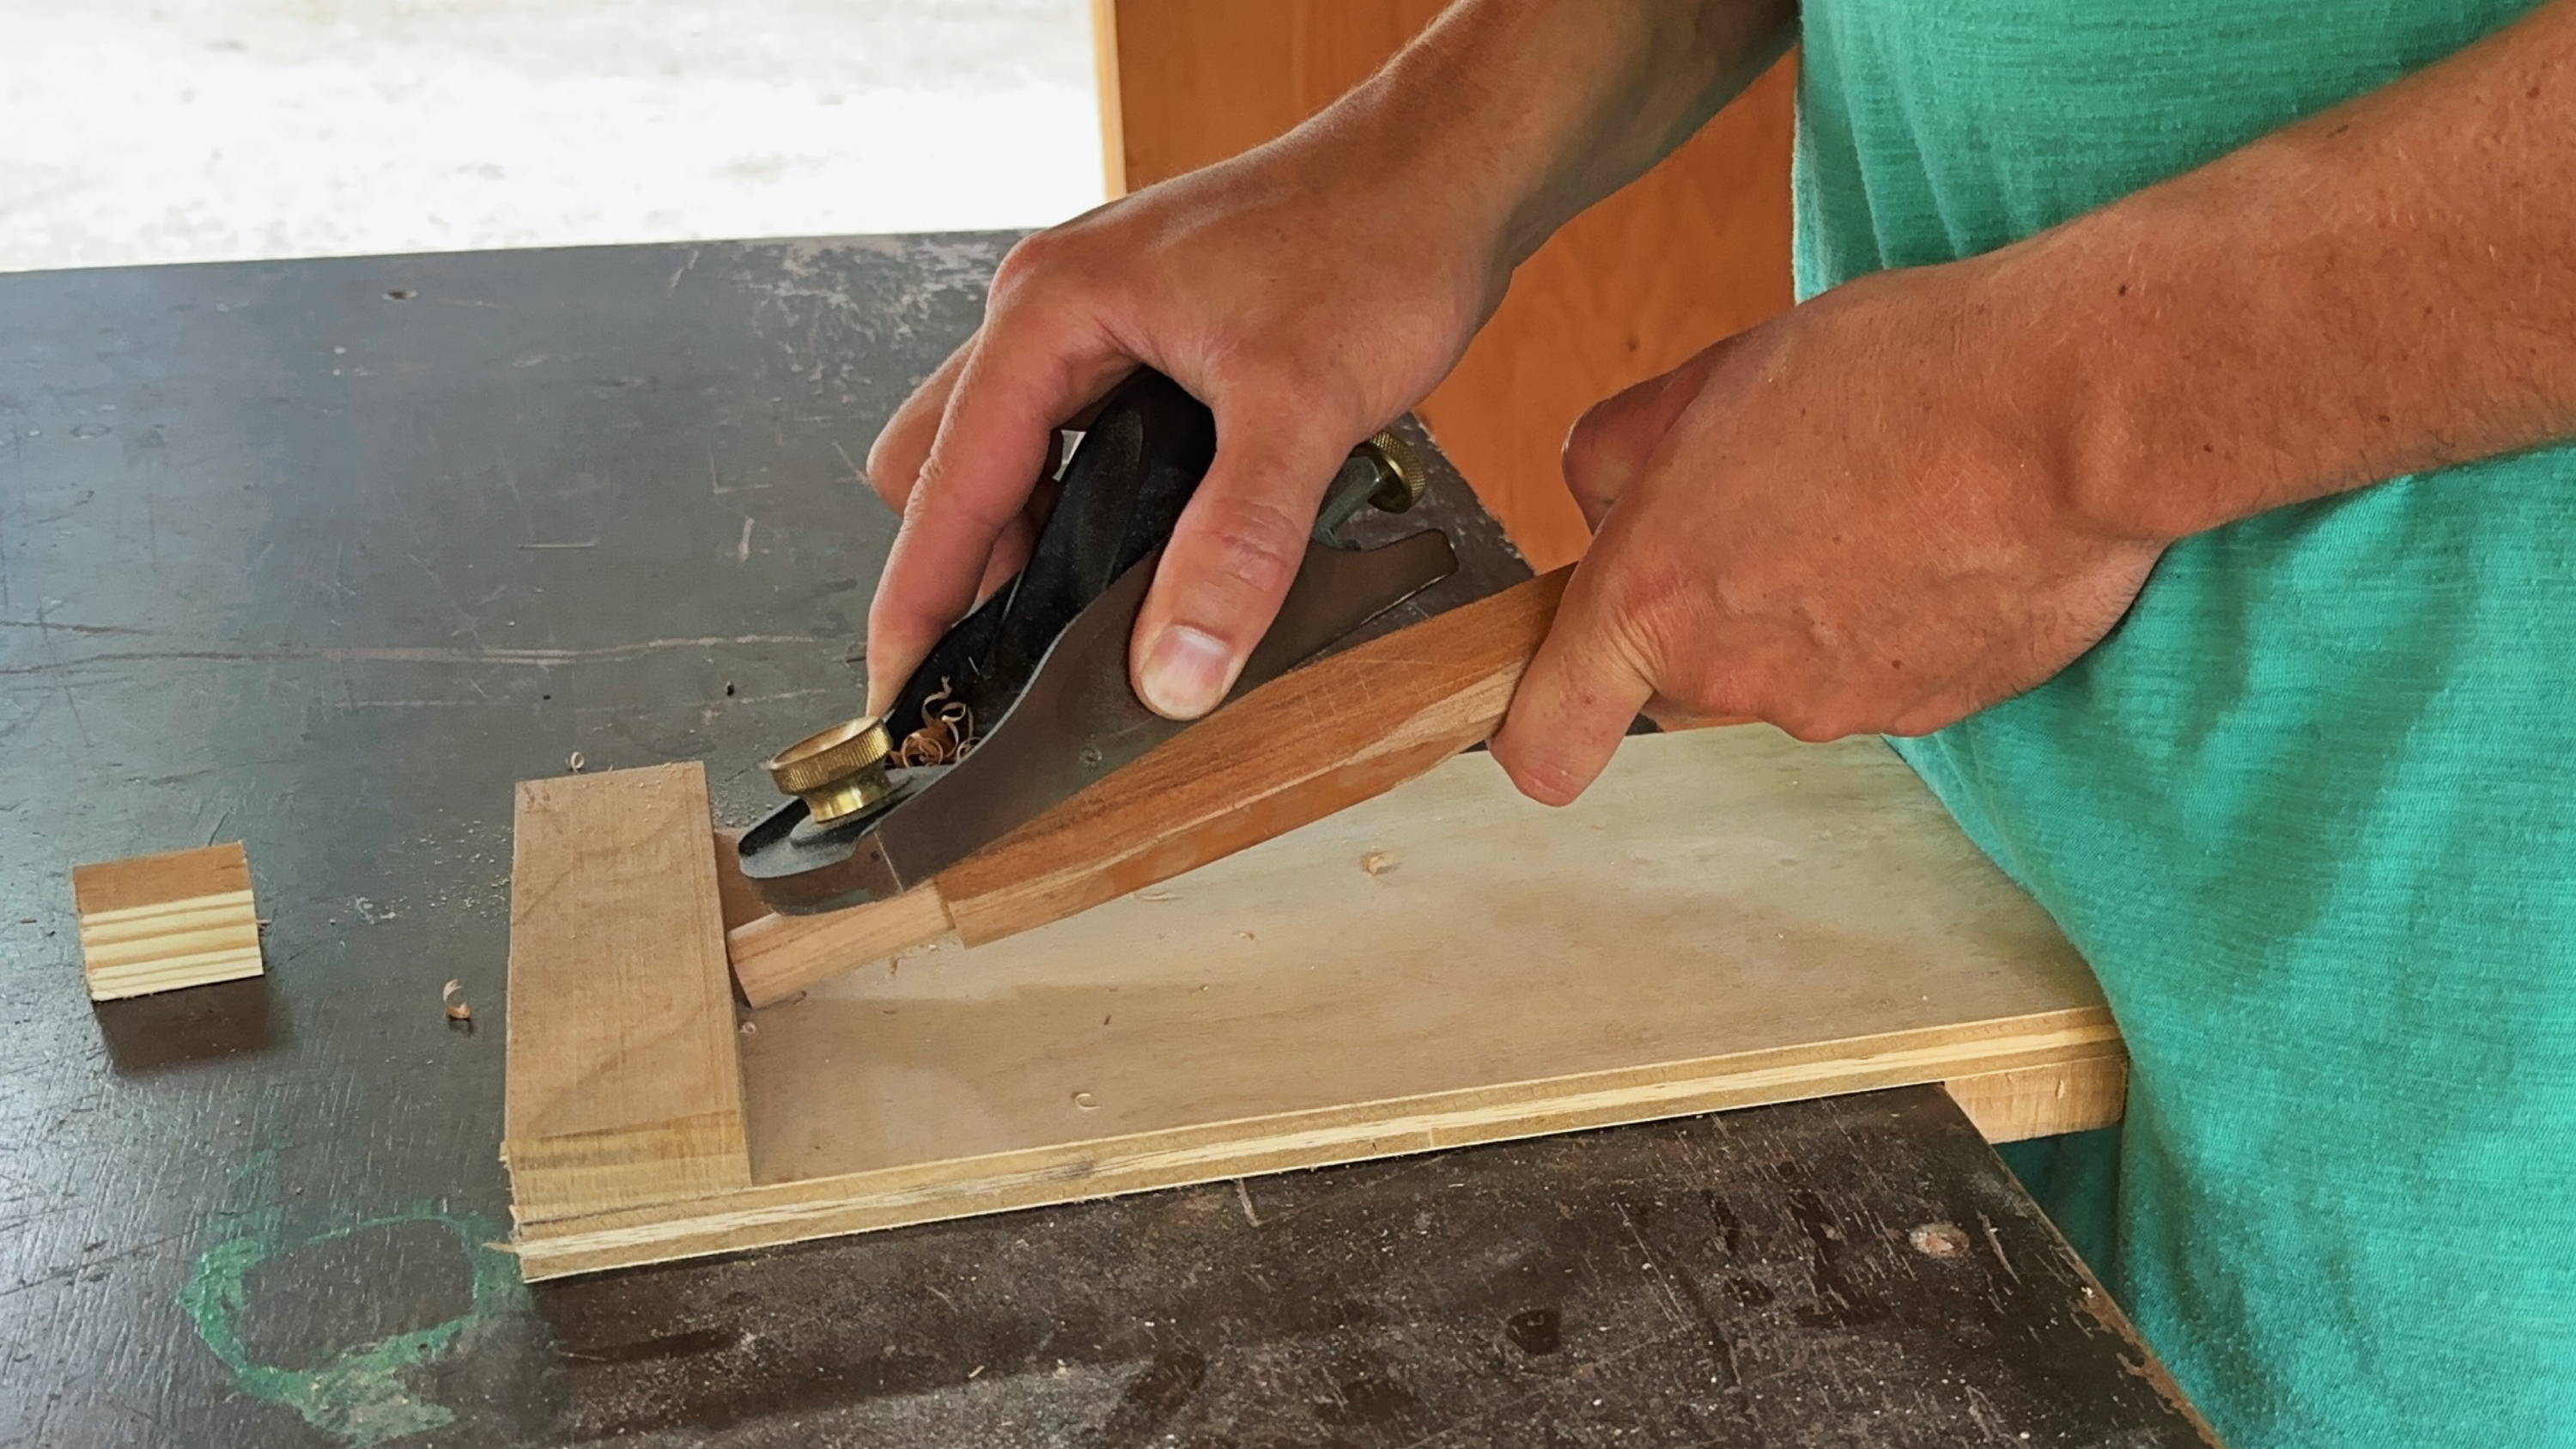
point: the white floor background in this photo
(203, 130)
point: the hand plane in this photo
(1025, 702)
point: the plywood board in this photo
(1728, 918)
(161, 922)
(623, 1085)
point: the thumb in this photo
(1232, 556)
(1582, 690)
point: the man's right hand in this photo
(1300, 291)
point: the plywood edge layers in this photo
(160, 922)
(793, 1211)
(204, 968)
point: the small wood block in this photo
(160, 922)
(623, 1085)
(2077, 1095)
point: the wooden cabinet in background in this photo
(1697, 249)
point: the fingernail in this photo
(1186, 672)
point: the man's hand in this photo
(1929, 490)
(1851, 519)
(1272, 287)
(1308, 292)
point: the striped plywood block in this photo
(160, 922)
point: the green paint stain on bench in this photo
(359, 1395)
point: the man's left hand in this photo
(1859, 517)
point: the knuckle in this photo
(935, 501)
(1588, 459)
(896, 457)
(1033, 258)
(1807, 728)
(880, 473)
(1651, 605)
(889, 469)
(1913, 724)
(1587, 443)
(1254, 544)
(895, 625)
(1618, 432)
(1700, 696)
(1817, 722)
(1043, 267)
(1926, 717)
(928, 490)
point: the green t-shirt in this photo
(2310, 810)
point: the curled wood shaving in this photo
(947, 732)
(456, 1010)
(1377, 862)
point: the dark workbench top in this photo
(324, 555)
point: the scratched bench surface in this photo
(323, 556)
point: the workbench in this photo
(324, 555)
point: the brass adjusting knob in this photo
(837, 772)
(1403, 481)
(1383, 473)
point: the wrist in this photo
(2091, 325)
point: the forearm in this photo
(1517, 114)
(2386, 288)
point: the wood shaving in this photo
(574, 762)
(1377, 862)
(456, 1010)
(947, 732)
